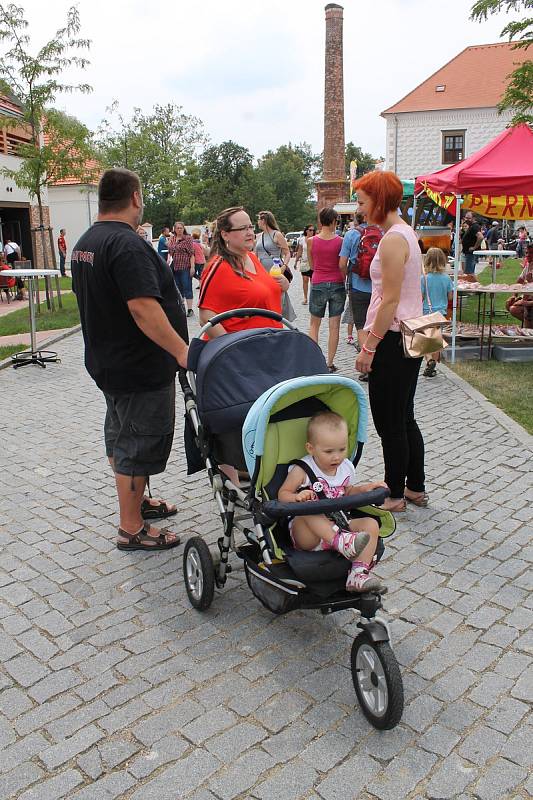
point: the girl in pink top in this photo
(392, 378)
(327, 282)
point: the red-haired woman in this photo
(396, 295)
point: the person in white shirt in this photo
(12, 254)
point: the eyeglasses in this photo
(243, 228)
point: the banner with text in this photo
(505, 206)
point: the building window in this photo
(453, 146)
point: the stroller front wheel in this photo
(199, 573)
(377, 682)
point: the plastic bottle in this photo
(275, 269)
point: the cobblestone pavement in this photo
(113, 687)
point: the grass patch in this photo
(509, 386)
(19, 321)
(64, 283)
(509, 272)
(10, 349)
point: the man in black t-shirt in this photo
(470, 240)
(135, 335)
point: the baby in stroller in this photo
(326, 472)
(259, 399)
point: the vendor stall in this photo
(487, 333)
(496, 182)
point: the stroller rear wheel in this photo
(199, 573)
(377, 681)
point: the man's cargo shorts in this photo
(139, 429)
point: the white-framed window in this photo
(453, 146)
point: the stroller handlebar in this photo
(245, 312)
(274, 509)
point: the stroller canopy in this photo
(232, 371)
(342, 395)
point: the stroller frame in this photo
(375, 672)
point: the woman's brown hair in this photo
(327, 216)
(270, 219)
(219, 247)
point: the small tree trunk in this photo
(47, 281)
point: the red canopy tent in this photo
(496, 182)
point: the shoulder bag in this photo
(423, 335)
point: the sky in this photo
(253, 71)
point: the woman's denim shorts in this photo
(323, 295)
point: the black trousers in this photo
(391, 388)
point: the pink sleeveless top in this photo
(410, 304)
(325, 254)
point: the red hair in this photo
(384, 189)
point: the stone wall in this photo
(414, 143)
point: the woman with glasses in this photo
(270, 243)
(301, 258)
(235, 278)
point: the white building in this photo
(19, 215)
(73, 206)
(453, 113)
(67, 204)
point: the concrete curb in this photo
(43, 345)
(500, 416)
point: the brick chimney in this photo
(333, 187)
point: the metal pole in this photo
(415, 202)
(33, 335)
(458, 201)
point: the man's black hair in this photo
(116, 188)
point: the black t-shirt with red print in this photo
(110, 265)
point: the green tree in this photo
(161, 147)
(365, 161)
(283, 181)
(312, 161)
(518, 96)
(36, 81)
(224, 173)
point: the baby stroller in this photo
(248, 398)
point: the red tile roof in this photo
(93, 170)
(476, 78)
(9, 105)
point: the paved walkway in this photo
(24, 338)
(113, 687)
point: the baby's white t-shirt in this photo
(333, 486)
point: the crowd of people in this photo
(134, 310)
(482, 235)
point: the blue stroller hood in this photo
(233, 370)
(342, 395)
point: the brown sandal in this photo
(135, 540)
(159, 510)
(422, 501)
(400, 505)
